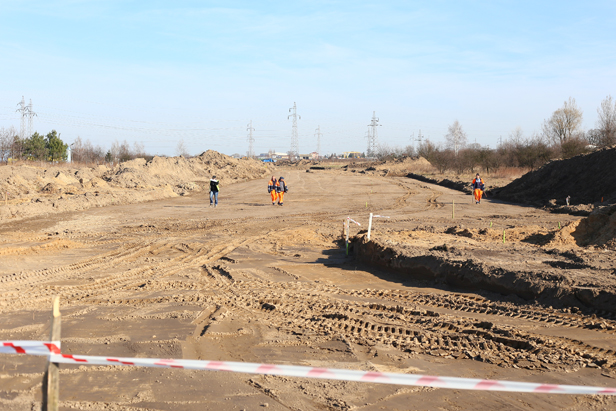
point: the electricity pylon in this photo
(318, 134)
(372, 135)
(294, 138)
(251, 140)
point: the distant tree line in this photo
(35, 148)
(561, 136)
(50, 148)
(85, 152)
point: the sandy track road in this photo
(248, 281)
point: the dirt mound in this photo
(586, 178)
(36, 191)
(445, 182)
(393, 168)
(598, 229)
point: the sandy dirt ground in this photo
(248, 281)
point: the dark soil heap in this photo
(586, 178)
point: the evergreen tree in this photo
(56, 147)
(35, 147)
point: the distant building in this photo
(274, 155)
(351, 154)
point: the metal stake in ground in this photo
(51, 380)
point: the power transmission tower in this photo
(294, 138)
(419, 138)
(24, 113)
(31, 115)
(318, 134)
(372, 135)
(251, 140)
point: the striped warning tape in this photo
(52, 350)
(30, 347)
(353, 221)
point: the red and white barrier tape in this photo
(51, 349)
(30, 347)
(353, 221)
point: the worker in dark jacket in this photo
(214, 188)
(281, 188)
(478, 187)
(271, 188)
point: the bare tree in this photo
(87, 154)
(17, 147)
(77, 150)
(7, 137)
(517, 136)
(455, 137)
(426, 149)
(98, 155)
(114, 152)
(409, 151)
(180, 149)
(606, 124)
(126, 154)
(139, 150)
(564, 123)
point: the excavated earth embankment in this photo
(31, 190)
(550, 276)
(587, 179)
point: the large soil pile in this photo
(33, 190)
(586, 178)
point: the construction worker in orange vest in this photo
(271, 188)
(478, 187)
(282, 188)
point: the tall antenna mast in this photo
(24, 111)
(31, 115)
(372, 135)
(294, 138)
(251, 140)
(318, 134)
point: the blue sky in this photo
(156, 72)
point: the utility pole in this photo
(294, 137)
(318, 134)
(372, 135)
(251, 140)
(31, 115)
